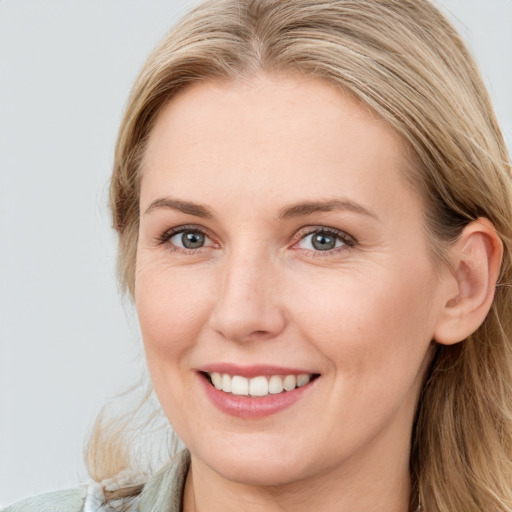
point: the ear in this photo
(476, 262)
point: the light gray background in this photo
(67, 343)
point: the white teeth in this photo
(258, 386)
(302, 380)
(275, 385)
(290, 382)
(239, 385)
(226, 383)
(216, 380)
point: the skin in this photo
(362, 315)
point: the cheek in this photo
(376, 324)
(172, 310)
(172, 307)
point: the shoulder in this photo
(162, 493)
(70, 500)
(85, 498)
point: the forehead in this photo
(290, 134)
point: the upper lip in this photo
(251, 371)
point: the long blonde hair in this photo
(405, 61)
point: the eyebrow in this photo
(310, 207)
(197, 210)
(289, 211)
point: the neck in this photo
(383, 484)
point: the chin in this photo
(256, 460)
(258, 471)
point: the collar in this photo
(164, 491)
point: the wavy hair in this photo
(407, 63)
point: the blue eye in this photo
(189, 239)
(324, 240)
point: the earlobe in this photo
(476, 259)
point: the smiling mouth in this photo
(258, 386)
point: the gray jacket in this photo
(162, 493)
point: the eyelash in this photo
(347, 240)
(165, 238)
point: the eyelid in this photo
(165, 237)
(348, 240)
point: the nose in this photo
(248, 306)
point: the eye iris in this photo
(192, 239)
(323, 241)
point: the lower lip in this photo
(253, 407)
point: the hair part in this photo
(406, 62)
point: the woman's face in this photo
(279, 245)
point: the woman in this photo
(313, 202)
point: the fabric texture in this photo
(162, 493)
(71, 500)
